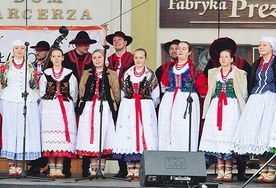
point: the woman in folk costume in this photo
(177, 83)
(256, 132)
(12, 76)
(215, 48)
(91, 86)
(58, 91)
(136, 128)
(224, 102)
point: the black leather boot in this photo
(241, 166)
(33, 171)
(66, 167)
(85, 166)
(123, 169)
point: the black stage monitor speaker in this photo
(172, 168)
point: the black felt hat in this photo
(167, 45)
(109, 38)
(221, 44)
(41, 46)
(82, 38)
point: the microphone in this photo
(27, 43)
(106, 46)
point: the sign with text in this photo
(218, 13)
(57, 12)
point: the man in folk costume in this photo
(78, 60)
(41, 52)
(120, 61)
(215, 48)
(170, 48)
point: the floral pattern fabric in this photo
(34, 81)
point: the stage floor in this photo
(71, 183)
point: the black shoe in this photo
(33, 172)
(120, 174)
(46, 172)
(85, 174)
(68, 175)
(242, 177)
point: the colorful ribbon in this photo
(95, 98)
(64, 115)
(222, 100)
(138, 116)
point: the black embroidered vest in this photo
(143, 88)
(90, 88)
(54, 86)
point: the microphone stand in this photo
(189, 110)
(99, 173)
(189, 107)
(25, 94)
(258, 171)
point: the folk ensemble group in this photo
(80, 93)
